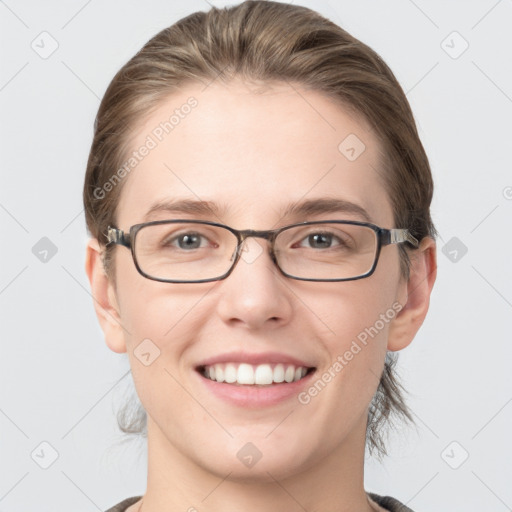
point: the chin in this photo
(258, 461)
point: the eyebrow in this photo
(189, 206)
(325, 205)
(302, 208)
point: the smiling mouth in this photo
(244, 374)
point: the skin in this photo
(256, 152)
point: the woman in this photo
(261, 245)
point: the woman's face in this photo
(253, 154)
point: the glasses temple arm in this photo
(397, 236)
(117, 236)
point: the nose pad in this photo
(250, 255)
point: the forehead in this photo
(252, 151)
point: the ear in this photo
(415, 296)
(104, 296)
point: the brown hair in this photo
(265, 41)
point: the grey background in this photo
(61, 384)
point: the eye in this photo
(186, 241)
(322, 240)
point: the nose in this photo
(255, 294)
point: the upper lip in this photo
(255, 358)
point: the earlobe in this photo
(416, 300)
(104, 298)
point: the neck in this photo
(335, 484)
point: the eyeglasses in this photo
(192, 251)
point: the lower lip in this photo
(253, 395)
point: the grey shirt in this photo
(386, 502)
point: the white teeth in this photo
(230, 373)
(219, 373)
(279, 373)
(289, 374)
(261, 375)
(245, 374)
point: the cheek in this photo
(355, 322)
(168, 314)
(161, 322)
(357, 316)
(361, 310)
(361, 330)
(149, 309)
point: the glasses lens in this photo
(326, 251)
(184, 251)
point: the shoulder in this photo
(388, 503)
(121, 507)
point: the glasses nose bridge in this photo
(248, 233)
(269, 235)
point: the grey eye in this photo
(320, 240)
(189, 241)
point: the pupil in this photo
(189, 241)
(320, 240)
